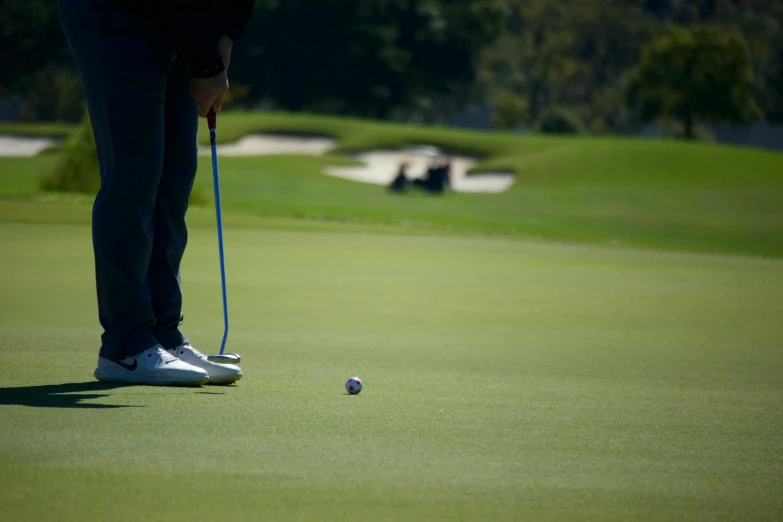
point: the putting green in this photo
(504, 380)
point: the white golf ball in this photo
(353, 385)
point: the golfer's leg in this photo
(171, 233)
(180, 161)
(124, 81)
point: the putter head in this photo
(226, 358)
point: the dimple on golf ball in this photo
(353, 385)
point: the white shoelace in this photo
(195, 352)
(162, 354)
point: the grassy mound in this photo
(657, 193)
(652, 193)
(53, 130)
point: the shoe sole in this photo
(116, 376)
(223, 381)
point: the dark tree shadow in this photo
(57, 395)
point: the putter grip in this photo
(212, 119)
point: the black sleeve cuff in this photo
(231, 17)
(232, 31)
(206, 64)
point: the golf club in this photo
(226, 358)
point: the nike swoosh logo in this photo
(129, 367)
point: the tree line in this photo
(597, 66)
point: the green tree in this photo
(762, 25)
(30, 36)
(775, 111)
(35, 64)
(362, 57)
(560, 120)
(509, 111)
(567, 53)
(692, 74)
(53, 93)
(534, 56)
(759, 21)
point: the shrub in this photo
(510, 111)
(78, 169)
(560, 120)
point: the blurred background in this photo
(700, 69)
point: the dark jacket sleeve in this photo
(231, 17)
(194, 36)
(193, 28)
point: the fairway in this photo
(503, 380)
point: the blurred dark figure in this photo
(437, 179)
(446, 173)
(400, 182)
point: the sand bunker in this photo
(22, 146)
(265, 145)
(380, 168)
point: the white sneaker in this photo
(218, 373)
(152, 366)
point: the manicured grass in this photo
(744, 219)
(503, 381)
(54, 130)
(20, 177)
(648, 193)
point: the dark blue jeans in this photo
(145, 124)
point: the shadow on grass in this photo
(56, 395)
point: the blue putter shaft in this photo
(212, 121)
